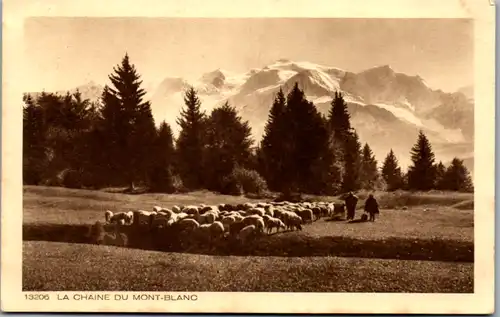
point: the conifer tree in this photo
(191, 141)
(307, 139)
(369, 172)
(421, 174)
(34, 151)
(162, 171)
(272, 153)
(128, 124)
(228, 145)
(440, 172)
(339, 118)
(391, 172)
(352, 163)
(457, 177)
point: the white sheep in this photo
(107, 215)
(144, 217)
(255, 220)
(206, 218)
(246, 233)
(274, 223)
(157, 208)
(176, 209)
(188, 225)
(256, 211)
(121, 217)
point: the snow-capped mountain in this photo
(387, 108)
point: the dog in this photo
(364, 217)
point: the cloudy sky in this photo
(62, 53)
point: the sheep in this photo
(144, 217)
(246, 233)
(206, 218)
(107, 215)
(121, 217)
(306, 215)
(248, 206)
(228, 221)
(190, 210)
(181, 215)
(212, 230)
(274, 223)
(163, 219)
(294, 222)
(157, 208)
(209, 209)
(316, 212)
(186, 225)
(255, 220)
(256, 211)
(176, 209)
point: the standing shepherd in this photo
(350, 203)
(371, 207)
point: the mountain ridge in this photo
(387, 108)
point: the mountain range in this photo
(387, 108)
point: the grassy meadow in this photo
(425, 247)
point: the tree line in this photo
(72, 142)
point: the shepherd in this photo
(350, 203)
(371, 207)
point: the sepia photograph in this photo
(176, 156)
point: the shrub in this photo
(71, 179)
(250, 181)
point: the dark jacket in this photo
(351, 201)
(371, 206)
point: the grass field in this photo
(436, 226)
(47, 266)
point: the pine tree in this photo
(34, 150)
(352, 163)
(307, 138)
(440, 172)
(391, 172)
(273, 152)
(228, 145)
(421, 174)
(457, 177)
(162, 171)
(339, 118)
(369, 172)
(191, 141)
(129, 124)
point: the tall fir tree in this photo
(352, 163)
(391, 172)
(128, 123)
(345, 142)
(191, 141)
(421, 174)
(457, 177)
(307, 139)
(162, 172)
(369, 171)
(273, 153)
(228, 145)
(440, 172)
(339, 118)
(34, 151)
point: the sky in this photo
(64, 52)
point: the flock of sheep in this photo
(241, 221)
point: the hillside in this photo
(387, 108)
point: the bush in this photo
(72, 179)
(250, 181)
